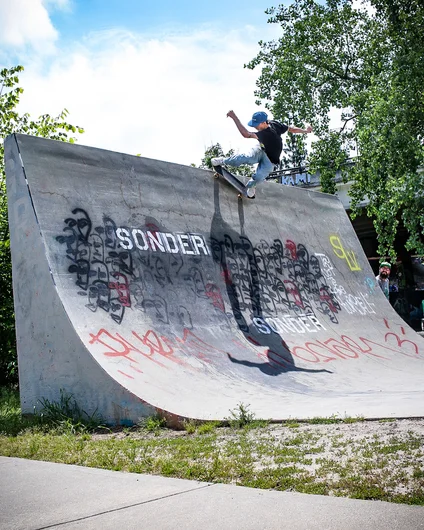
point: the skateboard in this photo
(237, 184)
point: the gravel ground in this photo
(385, 454)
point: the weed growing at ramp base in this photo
(381, 460)
(240, 416)
(64, 416)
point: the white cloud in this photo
(165, 98)
(363, 5)
(27, 22)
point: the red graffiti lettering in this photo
(325, 297)
(113, 343)
(348, 348)
(294, 291)
(196, 346)
(156, 344)
(276, 358)
(253, 341)
(118, 346)
(122, 288)
(291, 247)
(151, 344)
(226, 275)
(401, 342)
(312, 346)
(214, 294)
(313, 357)
(126, 375)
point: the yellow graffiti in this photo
(341, 253)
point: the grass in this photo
(328, 456)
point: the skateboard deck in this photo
(231, 179)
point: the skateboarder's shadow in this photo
(236, 257)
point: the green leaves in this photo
(56, 128)
(215, 150)
(53, 127)
(294, 151)
(330, 157)
(370, 66)
(317, 62)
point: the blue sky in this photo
(149, 77)
(152, 16)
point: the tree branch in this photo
(346, 121)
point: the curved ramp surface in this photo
(142, 285)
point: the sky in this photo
(149, 77)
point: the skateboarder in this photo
(267, 154)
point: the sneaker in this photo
(217, 161)
(251, 192)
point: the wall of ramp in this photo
(142, 285)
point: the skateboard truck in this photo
(219, 171)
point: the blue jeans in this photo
(257, 156)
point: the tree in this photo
(294, 152)
(369, 65)
(55, 128)
(215, 150)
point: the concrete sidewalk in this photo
(40, 495)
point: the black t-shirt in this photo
(270, 139)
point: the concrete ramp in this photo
(145, 286)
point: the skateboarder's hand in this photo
(308, 129)
(231, 114)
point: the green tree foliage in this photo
(11, 121)
(369, 65)
(294, 152)
(216, 150)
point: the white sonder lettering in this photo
(184, 243)
(288, 324)
(199, 243)
(284, 325)
(299, 324)
(305, 322)
(140, 240)
(167, 239)
(124, 235)
(316, 322)
(155, 241)
(190, 244)
(261, 326)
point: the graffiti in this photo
(115, 273)
(400, 342)
(190, 244)
(273, 279)
(169, 277)
(350, 303)
(159, 349)
(348, 348)
(371, 284)
(287, 324)
(154, 347)
(341, 253)
(294, 180)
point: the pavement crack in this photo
(56, 525)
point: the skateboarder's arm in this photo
(243, 131)
(297, 130)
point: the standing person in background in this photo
(383, 277)
(267, 153)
